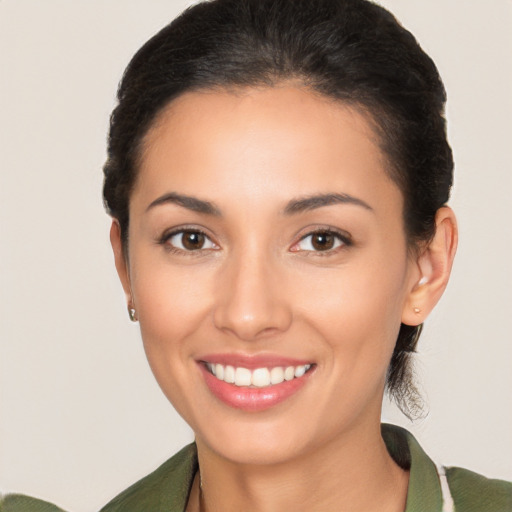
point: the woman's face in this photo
(266, 240)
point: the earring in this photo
(132, 314)
(417, 310)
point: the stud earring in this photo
(132, 314)
(417, 310)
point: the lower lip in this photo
(253, 399)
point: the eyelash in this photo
(340, 236)
(168, 235)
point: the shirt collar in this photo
(424, 492)
(423, 495)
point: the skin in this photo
(258, 286)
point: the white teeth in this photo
(276, 375)
(289, 373)
(229, 374)
(242, 377)
(260, 377)
(300, 371)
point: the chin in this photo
(259, 439)
(254, 451)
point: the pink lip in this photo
(252, 399)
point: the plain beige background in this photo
(81, 417)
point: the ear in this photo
(434, 264)
(121, 260)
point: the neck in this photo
(353, 472)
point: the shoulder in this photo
(21, 503)
(165, 489)
(472, 492)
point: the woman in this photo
(277, 175)
(289, 251)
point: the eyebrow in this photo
(189, 202)
(293, 207)
(318, 201)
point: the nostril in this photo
(247, 327)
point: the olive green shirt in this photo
(19, 503)
(167, 488)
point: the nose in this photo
(251, 301)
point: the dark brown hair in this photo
(350, 50)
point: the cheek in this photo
(172, 304)
(357, 309)
(169, 297)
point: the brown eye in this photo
(321, 241)
(192, 240)
(188, 240)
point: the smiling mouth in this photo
(259, 377)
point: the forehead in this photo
(273, 142)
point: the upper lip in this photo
(253, 361)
